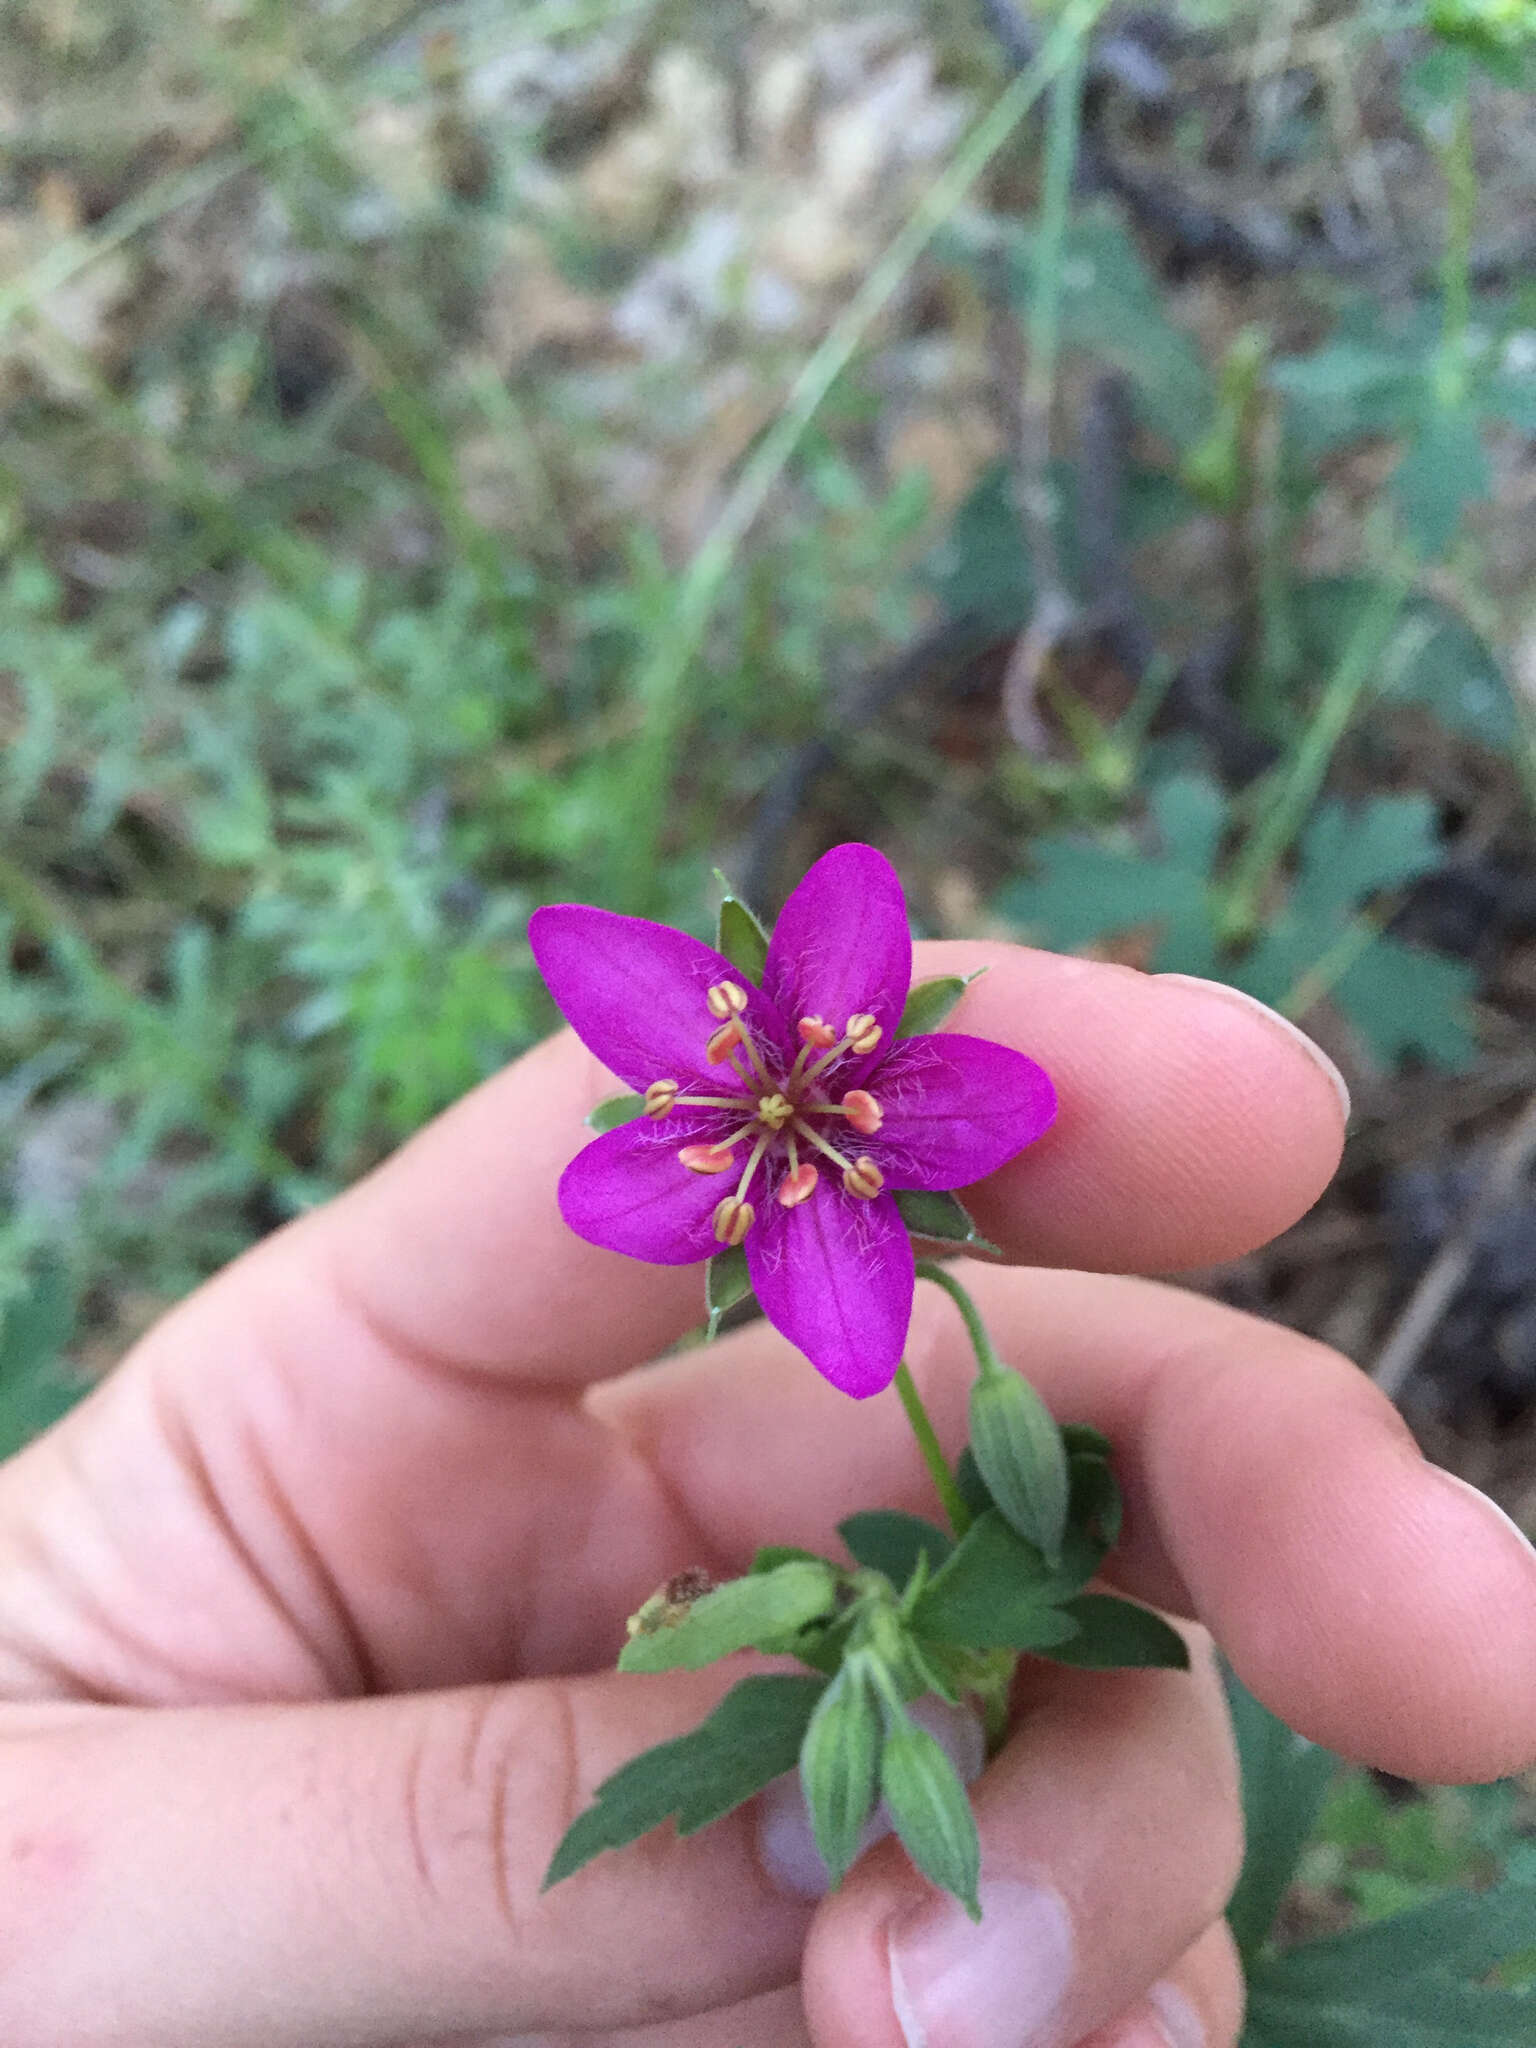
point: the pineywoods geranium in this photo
(782, 1118)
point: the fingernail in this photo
(785, 1842)
(1292, 1031)
(1490, 1508)
(1001, 1984)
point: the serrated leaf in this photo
(1407, 999)
(1284, 1780)
(930, 1810)
(614, 1111)
(930, 1002)
(995, 1593)
(751, 1738)
(742, 939)
(839, 1766)
(941, 1216)
(887, 1541)
(1444, 470)
(762, 1611)
(1113, 1634)
(727, 1283)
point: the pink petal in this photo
(634, 992)
(629, 1192)
(955, 1109)
(841, 947)
(835, 1276)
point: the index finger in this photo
(1193, 1125)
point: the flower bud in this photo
(839, 1763)
(863, 1178)
(1018, 1451)
(929, 1807)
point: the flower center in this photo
(780, 1113)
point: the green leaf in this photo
(1407, 999)
(839, 1766)
(930, 1809)
(1350, 388)
(1285, 1778)
(940, 1216)
(1443, 471)
(887, 1541)
(613, 1111)
(34, 1392)
(726, 1283)
(751, 1738)
(1018, 1451)
(772, 1555)
(995, 1593)
(972, 1487)
(1435, 659)
(1461, 1934)
(742, 939)
(1081, 1439)
(1096, 1509)
(981, 569)
(763, 1611)
(930, 1002)
(1421, 2012)
(1114, 1633)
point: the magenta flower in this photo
(783, 1118)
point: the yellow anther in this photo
(660, 1096)
(723, 1043)
(726, 999)
(707, 1158)
(814, 1031)
(775, 1111)
(864, 1113)
(863, 1178)
(863, 1033)
(797, 1186)
(733, 1219)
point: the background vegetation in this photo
(466, 455)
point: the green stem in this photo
(1293, 800)
(1063, 127)
(660, 687)
(1458, 161)
(933, 1455)
(987, 1360)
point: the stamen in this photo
(714, 1102)
(733, 1219)
(864, 1113)
(775, 1111)
(863, 1179)
(726, 999)
(707, 1158)
(723, 1043)
(816, 1031)
(837, 1158)
(751, 1167)
(661, 1096)
(798, 1185)
(864, 1034)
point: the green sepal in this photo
(840, 1765)
(995, 1593)
(772, 1555)
(763, 1611)
(726, 1283)
(613, 1111)
(1113, 1634)
(930, 1002)
(886, 1541)
(751, 1738)
(740, 936)
(936, 1214)
(930, 1808)
(1019, 1452)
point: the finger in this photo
(1111, 1837)
(1171, 1093)
(773, 2020)
(275, 1877)
(1198, 2004)
(1374, 1603)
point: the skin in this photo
(307, 1615)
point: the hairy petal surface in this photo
(835, 1276)
(841, 947)
(956, 1108)
(628, 1192)
(634, 992)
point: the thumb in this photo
(362, 1873)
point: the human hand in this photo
(308, 1614)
